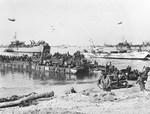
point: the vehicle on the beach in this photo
(118, 83)
(131, 74)
(21, 47)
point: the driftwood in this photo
(14, 98)
(28, 98)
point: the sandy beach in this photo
(89, 99)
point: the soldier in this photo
(106, 83)
(100, 74)
(141, 79)
(95, 63)
(141, 82)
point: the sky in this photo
(75, 22)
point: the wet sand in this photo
(91, 101)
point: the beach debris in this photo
(107, 96)
(100, 96)
(87, 91)
(76, 97)
(71, 90)
(8, 99)
(25, 100)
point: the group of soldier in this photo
(6, 58)
(105, 81)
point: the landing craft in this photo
(11, 19)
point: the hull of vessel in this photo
(34, 49)
(131, 55)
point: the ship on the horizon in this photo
(21, 47)
(145, 46)
(108, 45)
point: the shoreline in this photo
(89, 99)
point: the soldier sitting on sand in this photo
(105, 82)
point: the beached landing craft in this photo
(118, 54)
(143, 55)
(21, 47)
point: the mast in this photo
(15, 36)
(16, 40)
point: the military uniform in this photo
(141, 80)
(106, 83)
